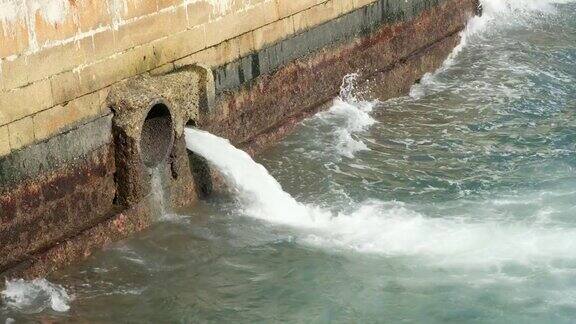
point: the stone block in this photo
(14, 73)
(290, 7)
(60, 118)
(219, 9)
(4, 140)
(13, 36)
(101, 45)
(240, 22)
(113, 69)
(129, 9)
(65, 86)
(198, 13)
(41, 65)
(228, 77)
(248, 69)
(52, 24)
(168, 3)
(234, 74)
(346, 6)
(25, 101)
(92, 14)
(21, 133)
(245, 44)
(220, 54)
(49, 121)
(362, 3)
(317, 15)
(179, 45)
(2, 88)
(273, 32)
(150, 28)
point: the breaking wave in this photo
(35, 296)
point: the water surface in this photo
(454, 204)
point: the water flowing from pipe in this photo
(388, 228)
(157, 196)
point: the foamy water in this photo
(393, 228)
(496, 15)
(347, 117)
(35, 296)
(387, 228)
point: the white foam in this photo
(347, 145)
(356, 115)
(495, 8)
(349, 115)
(394, 230)
(356, 118)
(496, 14)
(35, 296)
(261, 195)
(387, 228)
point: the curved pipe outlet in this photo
(157, 136)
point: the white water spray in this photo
(35, 296)
(496, 14)
(388, 228)
(354, 116)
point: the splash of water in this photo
(261, 195)
(35, 296)
(352, 115)
(496, 14)
(388, 228)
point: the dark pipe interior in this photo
(157, 135)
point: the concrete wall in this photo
(58, 58)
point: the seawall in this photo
(95, 94)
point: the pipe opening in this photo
(157, 136)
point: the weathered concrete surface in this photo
(49, 207)
(184, 96)
(119, 225)
(46, 196)
(391, 55)
(52, 154)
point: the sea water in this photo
(456, 203)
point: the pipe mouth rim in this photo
(157, 134)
